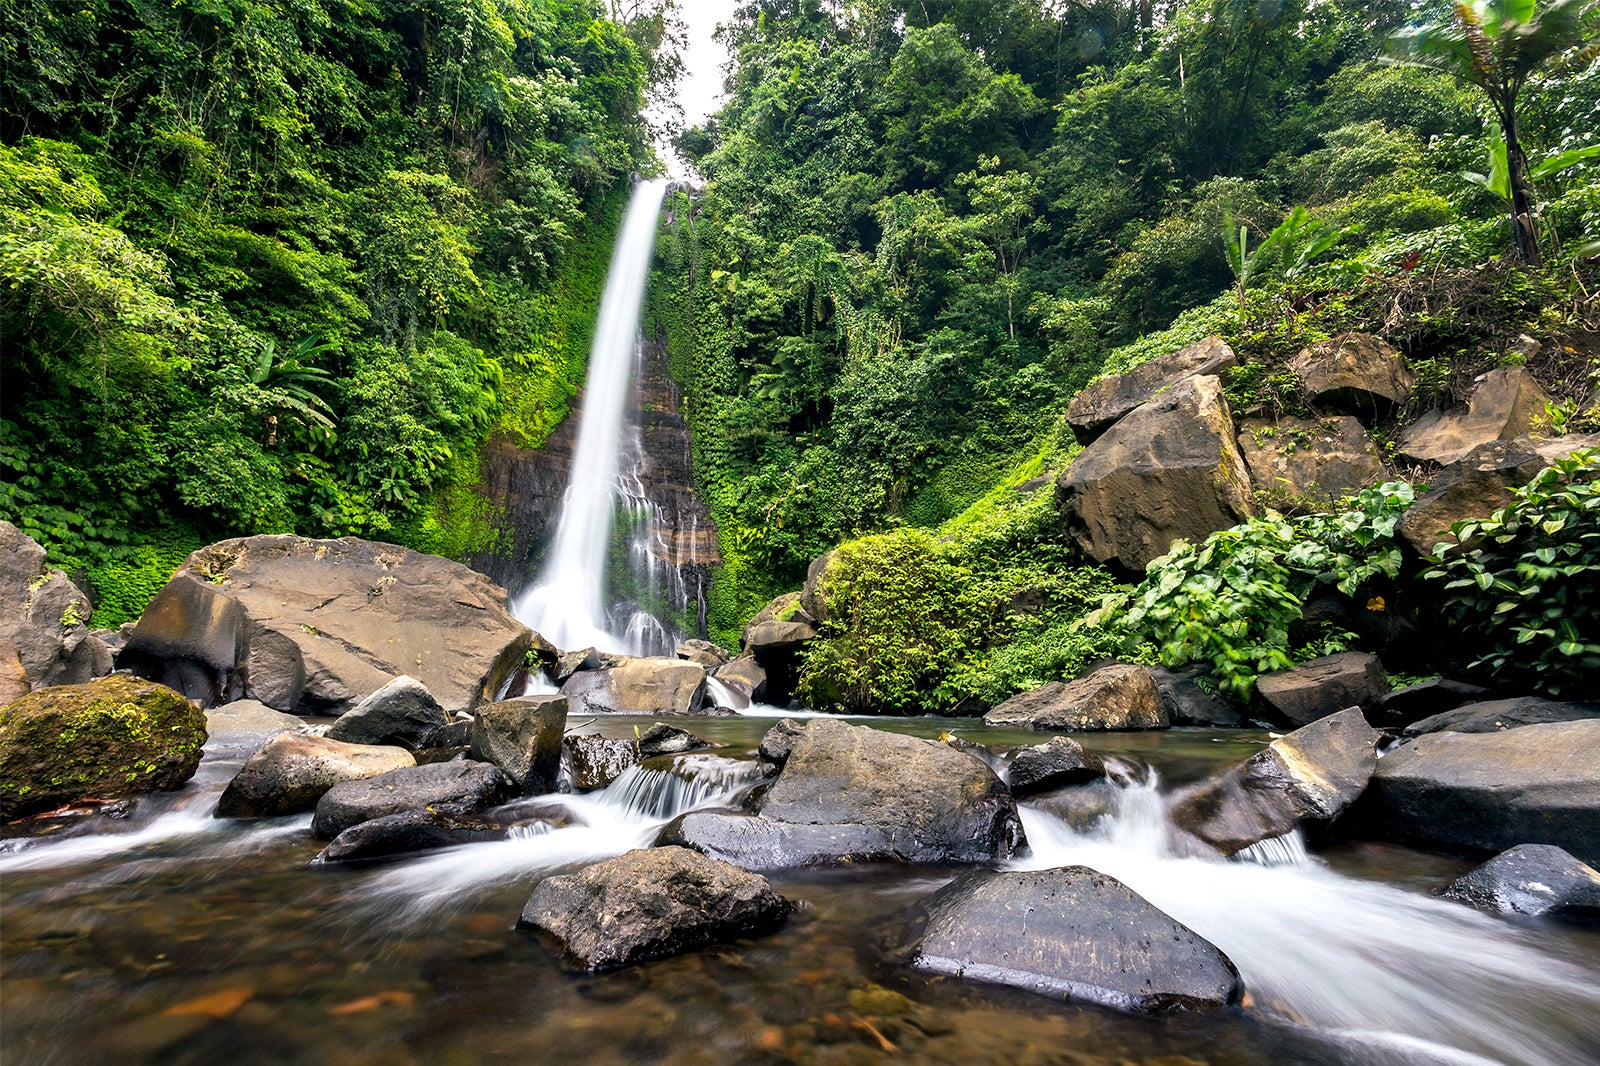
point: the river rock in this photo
(316, 626)
(1354, 373)
(703, 652)
(595, 761)
(746, 677)
(1315, 462)
(777, 742)
(291, 772)
(401, 712)
(1187, 703)
(650, 904)
(43, 621)
(1100, 406)
(1537, 784)
(454, 788)
(1169, 471)
(572, 662)
(117, 736)
(1059, 761)
(523, 738)
(758, 843)
(664, 739)
(1312, 774)
(1539, 880)
(1116, 697)
(1070, 933)
(1505, 405)
(1302, 694)
(638, 686)
(1424, 699)
(246, 725)
(1494, 715)
(404, 833)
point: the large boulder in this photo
(1533, 879)
(1169, 471)
(1302, 694)
(744, 678)
(638, 686)
(455, 788)
(44, 634)
(1100, 406)
(664, 739)
(851, 792)
(523, 738)
(291, 772)
(118, 736)
(1504, 406)
(1354, 373)
(1480, 484)
(1057, 762)
(316, 626)
(1539, 784)
(1312, 774)
(401, 712)
(1114, 697)
(1310, 462)
(1491, 716)
(649, 904)
(1071, 933)
(404, 833)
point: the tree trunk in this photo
(1523, 235)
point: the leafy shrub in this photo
(1526, 588)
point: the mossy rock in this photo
(115, 736)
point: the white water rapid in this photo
(567, 605)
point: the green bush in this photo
(1526, 587)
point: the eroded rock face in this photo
(403, 711)
(43, 622)
(1169, 471)
(1504, 406)
(1070, 932)
(1354, 373)
(523, 738)
(454, 788)
(1317, 462)
(638, 686)
(1114, 697)
(1539, 880)
(118, 736)
(1302, 694)
(1103, 404)
(291, 772)
(1312, 774)
(316, 626)
(1492, 716)
(1538, 784)
(649, 904)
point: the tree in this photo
(1499, 45)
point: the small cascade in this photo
(1287, 850)
(692, 781)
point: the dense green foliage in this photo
(270, 267)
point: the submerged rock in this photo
(1492, 716)
(1539, 880)
(118, 736)
(291, 772)
(595, 761)
(1070, 933)
(1312, 774)
(1302, 694)
(523, 738)
(650, 904)
(1059, 761)
(454, 788)
(407, 832)
(1100, 406)
(403, 711)
(638, 686)
(1112, 698)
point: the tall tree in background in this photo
(1498, 45)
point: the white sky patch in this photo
(700, 88)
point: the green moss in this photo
(123, 589)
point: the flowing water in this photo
(171, 937)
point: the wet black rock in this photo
(1187, 703)
(401, 712)
(595, 761)
(649, 904)
(523, 738)
(1069, 933)
(1493, 716)
(1425, 699)
(1302, 694)
(1533, 879)
(454, 735)
(777, 742)
(406, 832)
(455, 788)
(663, 739)
(1060, 761)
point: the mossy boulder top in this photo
(116, 736)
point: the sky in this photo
(700, 89)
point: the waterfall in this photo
(567, 605)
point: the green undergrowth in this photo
(123, 588)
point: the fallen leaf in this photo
(366, 1003)
(216, 1005)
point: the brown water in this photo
(181, 939)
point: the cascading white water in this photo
(567, 605)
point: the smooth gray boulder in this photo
(246, 725)
(1311, 775)
(1071, 933)
(1169, 471)
(1537, 784)
(1116, 697)
(1538, 880)
(1316, 689)
(1354, 373)
(1100, 406)
(595, 761)
(405, 833)
(401, 712)
(456, 788)
(638, 686)
(1506, 404)
(650, 904)
(757, 843)
(1303, 463)
(1492, 716)
(1057, 762)
(291, 772)
(523, 738)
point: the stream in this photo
(168, 936)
